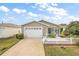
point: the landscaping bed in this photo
(6, 43)
(61, 51)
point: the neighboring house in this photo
(39, 29)
(8, 29)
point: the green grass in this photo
(6, 43)
(73, 36)
(58, 51)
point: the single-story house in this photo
(39, 29)
(8, 29)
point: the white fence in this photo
(60, 40)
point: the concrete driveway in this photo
(26, 47)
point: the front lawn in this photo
(5, 44)
(58, 51)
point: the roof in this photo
(9, 25)
(63, 25)
(45, 23)
(36, 22)
(48, 23)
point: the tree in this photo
(73, 28)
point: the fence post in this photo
(44, 39)
(71, 40)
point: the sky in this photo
(21, 13)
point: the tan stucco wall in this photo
(9, 31)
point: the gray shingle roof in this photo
(35, 21)
(49, 23)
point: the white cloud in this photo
(4, 9)
(32, 14)
(54, 4)
(73, 18)
(56, 17)
(44, 6)
(51, 8)
(41, 6)
(8, 19)
(11, 18)
(57, 11)
(19, 10)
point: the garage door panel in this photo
(33, 32)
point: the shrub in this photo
(73, 28)
(62, 34)
(52, 35)
(66, 33)
(20, 36)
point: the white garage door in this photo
(35, 32)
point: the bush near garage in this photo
(19, 36)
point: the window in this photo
(49, 30)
